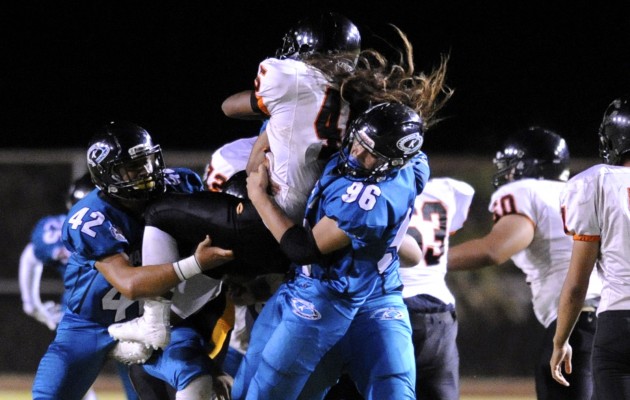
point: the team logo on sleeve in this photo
(117, 234)
(304, 309)
(386, 314)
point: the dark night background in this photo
(168, 65)
(66, 66)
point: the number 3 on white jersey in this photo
(97, 218)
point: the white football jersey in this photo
(596, 206)
(545, 261)
(307, 118)
(226, 161)
(438, 212)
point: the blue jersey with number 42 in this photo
(96, 228)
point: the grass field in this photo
(17, 387)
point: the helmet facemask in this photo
(355, 169)
(138, 177)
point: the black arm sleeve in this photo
(299, 245)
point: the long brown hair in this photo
(376, 80)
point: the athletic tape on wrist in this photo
(187, 268)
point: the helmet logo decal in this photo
(410, 144)
(97, 153)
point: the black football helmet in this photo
(79, 189)
(532, 153)
(614, 131)
(125, 163)
(391, 132)
(327, 33)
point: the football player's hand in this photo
(561, 357)
(210, 257)
(258, 182)
(222, 385)
(49, 314)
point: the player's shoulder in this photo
(284, 66)
(527, 186)
(450, 184)
(594, 172)
(182, 180)
(50, 219)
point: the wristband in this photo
(187, 268)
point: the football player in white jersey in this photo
(533, 167)
(306, 122)
(439, 212)
(298, 90)
(596, 212)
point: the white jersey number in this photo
(77, 220)
(113, 300)
(364, 195)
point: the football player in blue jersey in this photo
(356, 217)
(103, 233)
(46, 251)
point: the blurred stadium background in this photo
(498, 333)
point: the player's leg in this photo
(581, 379)
(611, 356)
(434, 335)
(72, 362)
(149, 387)
(382, 362)
(307, 330)
(183, 361)
(125, 379)
(231, 222)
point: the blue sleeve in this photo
(95, 229)
(46, 238)
(420, 165)
(182, 180)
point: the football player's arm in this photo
(572, 297)
(29, 276)
(155, 280)
(301, 245)
(409, 252)
(509, 235)
(242, 105)
(257, 155)
(30, 272)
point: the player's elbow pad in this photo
(299, 245)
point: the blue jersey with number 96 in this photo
(374, 215)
